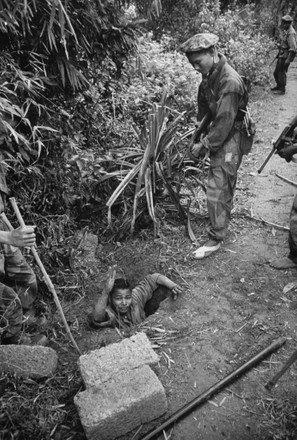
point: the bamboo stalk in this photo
(44, 273)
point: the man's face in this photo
(201, 61)
(122, 300)
(286, 25)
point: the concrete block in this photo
(101, 365)
(126, 401)
(28, 361)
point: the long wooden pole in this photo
(44, 273)
(215, 388)
(272, 382)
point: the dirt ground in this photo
(233, 305)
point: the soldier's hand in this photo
(288, 151)
(23, 236)
(198, 151)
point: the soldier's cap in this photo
(287, 18)
(199, 42)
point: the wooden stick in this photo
(284, 228)
(271, 383)
(44, 273)
(286, 180)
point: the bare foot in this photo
(283, 263)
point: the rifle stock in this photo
(285, 136)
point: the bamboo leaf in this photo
(129, 177)
(149, 195)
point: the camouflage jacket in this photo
(224, 94)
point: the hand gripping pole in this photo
(44, 273)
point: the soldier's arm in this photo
(292, 48)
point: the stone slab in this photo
(101, 365)
(126, 401)
(28, 361)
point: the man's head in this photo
(121, 296)
(286, 21)
(201, 51)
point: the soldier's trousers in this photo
(293, 231)
(11, 315)
(221, 185)
(280, 74)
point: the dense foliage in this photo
(76, 95)
(50, 54)
(95, 119)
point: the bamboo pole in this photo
(204, 397)
(44, 273)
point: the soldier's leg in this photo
(221, 187)
(276, 74)
(11, 315)
(20, 276)
(280, 75)
(291, 260)
(293, 232)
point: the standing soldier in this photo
(223, 95)
(286, 54)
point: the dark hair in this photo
(119, 284)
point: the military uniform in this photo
(223, 93)
(18, 284)
(287, 51)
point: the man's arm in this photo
(288, 152)
(99, 312)
(176, 290)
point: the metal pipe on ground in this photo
(204, 397)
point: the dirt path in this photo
(233, 304)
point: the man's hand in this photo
(286, 63)
(176, 290)
(288, 152)
(23, 236)
(109, 280)
(199, 151)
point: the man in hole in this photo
(121, 306)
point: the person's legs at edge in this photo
(291, 260)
